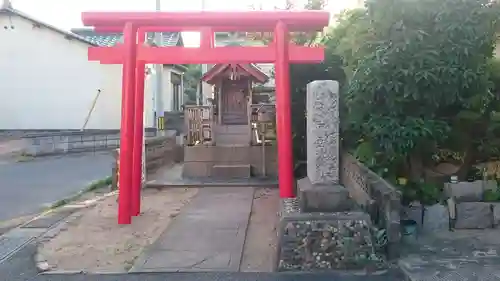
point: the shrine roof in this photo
(252, 70)
(168, 39)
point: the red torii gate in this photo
(133, 54)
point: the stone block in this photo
(196, 169)
(468, 191)
(323, 197)
(323, 131)
(393, 226)
(436, 217)
(496, 214)
(474, 215)
(326, 241)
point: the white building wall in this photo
(47, 82)
(174, 70)
(108, 106)
(268, 69)
(167, 89)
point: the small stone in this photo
(43, 266)
(474, 215)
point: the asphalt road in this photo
(27, 187)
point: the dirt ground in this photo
(260, 245)
(92, 241)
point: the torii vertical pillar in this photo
(127, 123)
(138, 132)
(283, 113)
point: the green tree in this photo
(191, 82)
(421, 63)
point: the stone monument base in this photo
(327, 241)
(323, 197)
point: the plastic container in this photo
(408, 231)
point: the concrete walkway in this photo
(208, 235)
(453, 255)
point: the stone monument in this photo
(320, 191)
(326, 234)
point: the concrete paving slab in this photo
(459, 255)
(50, 219)
(208, 234)
(194, 260)
(20, 266)
(193, 242)
(15, 239)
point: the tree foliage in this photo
(419, 65)
(419, 86)
(191, 81)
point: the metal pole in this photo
(182, 90)
(204, 67)
(158, 89)
(283, 113)
(127, 125)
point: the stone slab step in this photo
(231, 171)
(232, 129)
(226, 139)
(323, 197)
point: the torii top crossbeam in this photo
(257, 21)
(265, 20)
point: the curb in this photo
(90, 187)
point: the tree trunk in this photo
(416, 167)
(464, 169)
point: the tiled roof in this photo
(230, 39)
(169, 39)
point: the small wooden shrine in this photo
(229, 134)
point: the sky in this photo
(65, 14)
